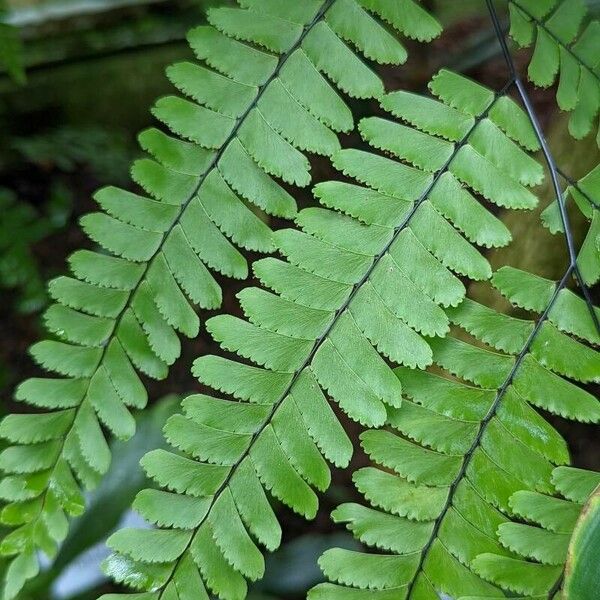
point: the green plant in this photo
(463, 479)
(107, 503)
(67, 148)
(349, 275)
(254, 109)
(377, 274)
(580, 571)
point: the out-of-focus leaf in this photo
(11, 53)
(581, 571)
(104, 152)
(21, 227)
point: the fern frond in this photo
(540, 542)
(585, 193)
(365, 277)
(257, 101)
(459, 449)
(565, 45)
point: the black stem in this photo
(557, 585)
(549, 161)
(502, 40)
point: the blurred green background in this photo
(77, 79)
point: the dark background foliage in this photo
(93, 68)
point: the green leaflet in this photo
(585, 193)
(569, 313)
(535, 543)
(365, 276)
(517, 575)
(453, 511)
(565, 44)
(261, 95)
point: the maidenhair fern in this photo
(455, 453)
(375, 275)
(260, 99)
(565, 46)
(368, 275)
(537, 548)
